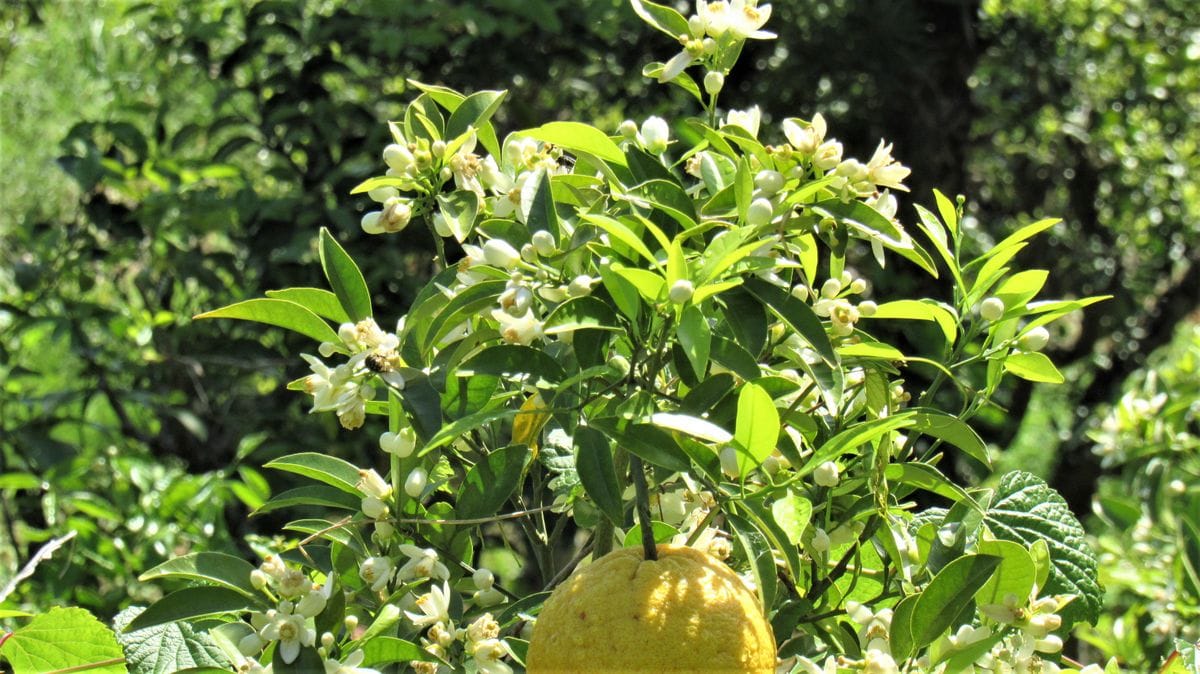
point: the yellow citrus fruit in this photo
(685, 612)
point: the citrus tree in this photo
(661, 337)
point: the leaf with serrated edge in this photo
(64, 638)
(166, 648)
(1026, 510)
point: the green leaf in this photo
(524, 364)
(1021, 287)
(1033, 366)
(311, 495)
(594, 461)
(901, 629)
(64, 639)
(331, 470)
(578, 137)
(389, 650)
(854, 437)
(927, 477)
(797, 315)
(661, 17)
(1025, 510)
(344, 278)
(1021, 235)
(951, 429)
(460, 210)
(281, 313)
(209, 567)
(321, 302)
(649, 442)
(663, 532)
(792, 513)
(490, 482)
(622, 233)
(650, 286)
(192, 602)
(947, 210)
(920, 310)
(165, 649)
(757, 427)
(581, 313)
(1015, 576)
(474, 111)
(693, 426)
(452, 431)
(538, 195)
(947, 593)
(695, 338)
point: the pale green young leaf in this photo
(537, 200)
(661, 17)
(460, 209)
(920, 310)
(853, 438)
(1014, 577)
(168, 648)
(331, 470)
(695, 338)
(217, 568)
(622, 233)
(578, 137)
(474, 111)
(344, 278)
(280, 313)
(1021, 287)
(877, 350)
(311, 495)
(948, 212)
(383, 650)
(321, 302)
(1033, 367)
(926, 477)
(951, 429)
(928, 223)
(792, 513)
(696, 427)
(384, 181)
(1020, 235)
(650, 286)
(62, 640)
(444, 96)
(757, 428)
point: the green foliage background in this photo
(160, 159)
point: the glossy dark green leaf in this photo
(331, 470)
(594, 461)
(344, 278)
(491, 482)
(192, 602)
(311, 495)
(474, 111)
(209, 567)
(652, 444)
(797, 315)
(514, 362)
(941, 601)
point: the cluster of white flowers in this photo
(299, 601)
(481, 645)
(346, 388)
(715, 21)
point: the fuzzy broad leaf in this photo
(1025, 510)
(166, 648)
(65, 639)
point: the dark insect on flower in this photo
(378, 363)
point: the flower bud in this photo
(696, 26)
(628, 129)
(801, 292)
(831, 288)
(991, 309)
(327, 640)
(401, 444)
(438, 148)
(1034, 340)
(729, 462)
(397, 213)
(250, 645)
(483, 579)
(820, 541)
(655, 135)
(580, 286)
(681, 291)
(713, 82)
(398, 158)
(414, 485)
(351, 622)
(258, 579)
(543, 243)
(1177, 487)
(500, 253)
(371, 222)
(867, 308)
(760, 212)
(827, 474)
(529, 253)
(770, 182)
(858, 286)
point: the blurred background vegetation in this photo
(163, 158)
